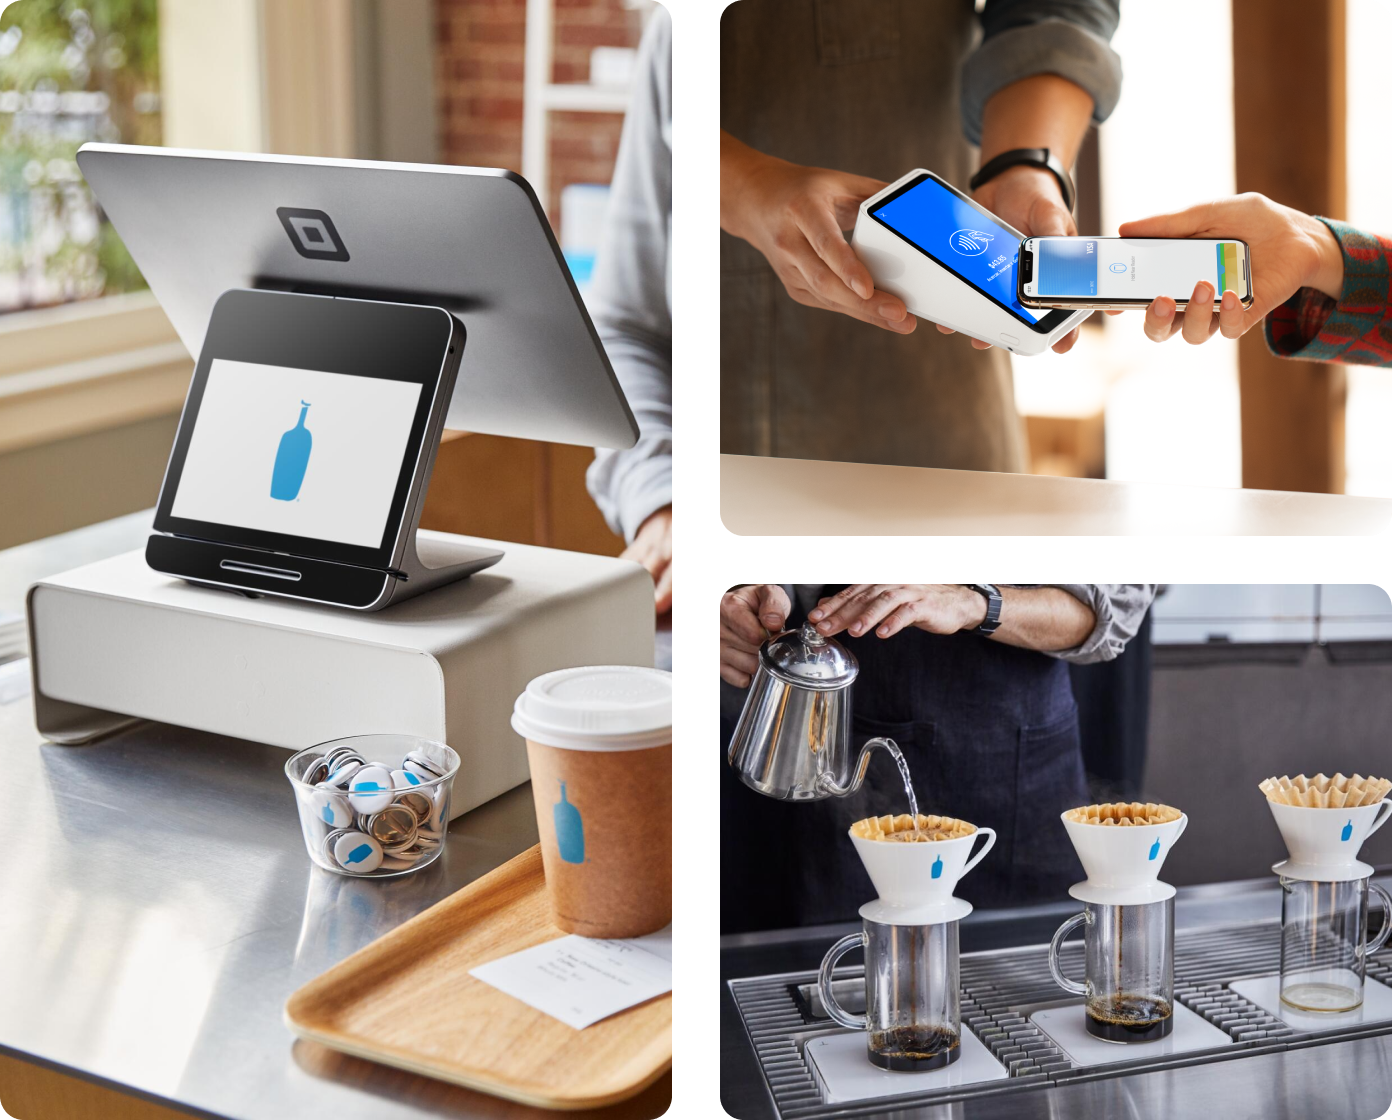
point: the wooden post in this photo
(1288, 115)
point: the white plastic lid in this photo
(597, 708)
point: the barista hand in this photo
(794, 216)
(939, 608)
(1290, 251)
(1030, 200)
(747, 616)
(652, 547)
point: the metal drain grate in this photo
(1000, 990)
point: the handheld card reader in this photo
(952, 262)
(305, 448)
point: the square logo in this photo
(312, 233)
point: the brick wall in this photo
(481, 46)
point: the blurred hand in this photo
(748, 615)
(1029, 199)
(939, 608)
(652, 547)
(1289, 251)
(794, 216)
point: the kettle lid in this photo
(805, 658)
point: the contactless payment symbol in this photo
(312, 233)
(971, 242)
(1117, 266)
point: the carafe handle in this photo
(1056, 945)
(1381, 939)
(828, 784)
(834, 1009)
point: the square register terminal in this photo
(302, 456)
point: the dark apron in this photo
(991, 736)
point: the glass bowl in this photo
(374, 806)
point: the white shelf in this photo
(582, 97)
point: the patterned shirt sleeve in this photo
(1357, 328)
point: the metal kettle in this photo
(793, 739)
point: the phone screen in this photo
(963, 239)
(1132, 268)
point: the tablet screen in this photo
(298, 452)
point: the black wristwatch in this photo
(1032, 157)
(991, 593)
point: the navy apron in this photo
(990, 732)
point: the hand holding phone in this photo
(1289, 251)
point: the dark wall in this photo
(1216, 730)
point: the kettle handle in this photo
(834, 1009)
(827, 784)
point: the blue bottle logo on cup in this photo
(570, 830)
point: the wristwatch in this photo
(1032, 157)
(991, 593)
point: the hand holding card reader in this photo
(952, 262)
(305, 449)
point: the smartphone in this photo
(931, 216)
(1120, 273)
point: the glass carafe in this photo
(1324, 942)
(1129, 986)
(913, 1013)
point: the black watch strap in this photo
(991, 593)
(1032, 157)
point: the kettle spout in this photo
(827, 783)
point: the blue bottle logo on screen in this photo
(570, 829)
(970, 242)
(291, 460)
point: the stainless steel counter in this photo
(1275, 1079)
(157, 907)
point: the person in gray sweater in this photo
(631, 304)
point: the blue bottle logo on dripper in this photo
(1347, 834)
(937, 868)
(291, 460)
(1155, 848)
(570, 829)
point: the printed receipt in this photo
(581, 980)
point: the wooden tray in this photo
(408, 1000)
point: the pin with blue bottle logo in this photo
(570, 829)
(1155, 848)
(937, 868)
(1347, 833)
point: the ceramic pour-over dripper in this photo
(915, 880)
(1122, 848)
(1323, 843)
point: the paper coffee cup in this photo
(599, 743)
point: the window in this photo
(70, 71)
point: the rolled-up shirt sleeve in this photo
(1021, 38)
(1119, 609)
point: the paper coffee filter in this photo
(1123, 814)
(900, 828)
(1323, 792)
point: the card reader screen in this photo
(962, 238)
(299, 452)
